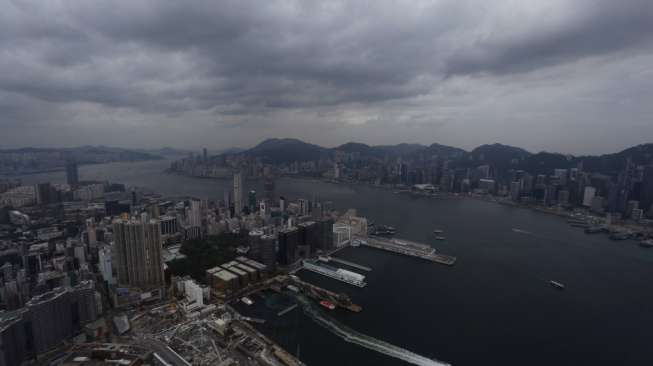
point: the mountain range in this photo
(500, 157)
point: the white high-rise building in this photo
(194, 213)
(104, 262)
(588, 196)
(238, 192)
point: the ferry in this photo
(440, 238)
(247, 301)
(620, 236)
(327, 304)
(557, 285)
(646, 243)
(594, 230)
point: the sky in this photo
(571, 76)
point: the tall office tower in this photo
(227, 201)
(138, 253)
(646, 198)
(268, 250)
(268, 188)
(238, 192)
(91, 232)
(288, 241)
(251, 201)
(205, 155)
(282, 204)
(255, 244)
(72, 174)
(303, 207)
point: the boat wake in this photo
(366, 341)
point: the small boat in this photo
(557, 285)
(247, 301)
(327, 304)
(438, 231)
(440, 238)
(293, 288)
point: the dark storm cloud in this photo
(242, 62)
(593, 28)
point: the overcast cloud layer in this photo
(574, 76)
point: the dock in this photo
(348, 263)
(408, 248)
(287, 310)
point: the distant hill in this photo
(285, 151)
(501, 158)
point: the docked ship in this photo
(340, 274)
(327, 304)
(382, 230)
(557, 285)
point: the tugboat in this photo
(557, 285)
(327, 304)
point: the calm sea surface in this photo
(494, 307)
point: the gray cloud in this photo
(233, 72)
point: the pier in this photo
(408, 248)
(348, 263)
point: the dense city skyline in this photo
(573, 77)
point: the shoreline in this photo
(559, 212)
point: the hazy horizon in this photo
(559, 76)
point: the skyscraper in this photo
(251, 201)
(72, 174)
(138, 253)
(646, 199)
(238, 192)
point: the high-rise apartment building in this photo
(138, 253)
(72, 174)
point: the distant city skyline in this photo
(567, 76)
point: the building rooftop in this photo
(225, 275)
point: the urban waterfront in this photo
(495, 306)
